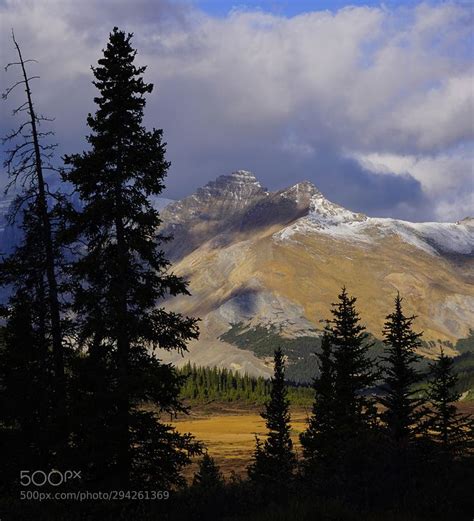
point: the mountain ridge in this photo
(278, 259)
(241, 193)
(259, 260)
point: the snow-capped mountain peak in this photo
(240, 185)
(327, 218)
(323, 213)
(300, 193)
(278, 259)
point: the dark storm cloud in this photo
(388, 196)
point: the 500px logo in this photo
(54, 478)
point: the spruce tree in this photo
(403, 412)
(208, 477)
(26, 368)
(122, 274)
(452, 431)
(354, 372)
(274, 462)
(207, 495)
(318, 438)
(352, 448)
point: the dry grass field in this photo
(229, 434)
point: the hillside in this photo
(274, 262)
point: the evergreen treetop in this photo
(274, 461)
(451, 430)
(354, 372)
(208, 475)
(403, 410)
(115, 179)
(317, 439)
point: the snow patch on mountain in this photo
(327, 218)
(324, 213)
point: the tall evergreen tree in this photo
(122, 273)
(403, 415)
(354, 414)
(317, 440)
(452, 431)
(403, 410)
(275, 461)
(354, 372)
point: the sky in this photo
(372, 102)
(294, 7)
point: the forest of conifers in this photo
(204, 385)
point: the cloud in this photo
(447, 178)
(325, 96)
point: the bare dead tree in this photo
(26, 163)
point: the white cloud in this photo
(388, 86)
(447, 178)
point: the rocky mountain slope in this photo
(265, 266)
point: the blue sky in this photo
(373, 105)
(295, 7)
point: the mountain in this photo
(265, 266)
(159, 203)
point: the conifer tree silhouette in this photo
(317, 440)
(208, 476)
(122, 274)
(354, 372)
(274, 461)
(452, 431)
(403, 412)
(354, 412)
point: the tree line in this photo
(412, 449)
(204, 385)
(396, 450)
